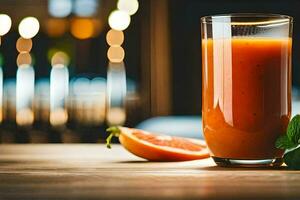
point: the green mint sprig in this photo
(283, 142)
(290, 142)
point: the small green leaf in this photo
(289, 142)
(293, 130)
(292, 159)
(283, 142)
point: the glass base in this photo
(228, 162)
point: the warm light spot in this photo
(29, 27)
(59, 66)
(25, 117)
(56, 27)
(5, 24)
(60, 58)
(114, 37)
(1, 114)
(82, 28)
(116, 116)
(58, 117)
(24, 45)
(129, 6)
(119, 20)
(115, 54)
(24, 59)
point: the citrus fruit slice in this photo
(155, 147)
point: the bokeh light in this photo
(114, 37)
(60, 58)
(116, 86)
(58, 117)
(116, 116)
(51, 53)
(98, 84)
(129, 6)
(29, 27)
(119, 20)
(24, 59)
(59, 89)
(81, 85)
(115, 54)
(56, 27)
(5, 22)
(25, 117)
(85, 8)
(82, 28)
(60, 8)
(23, 45)
(59, 66)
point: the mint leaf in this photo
(290, 141)
(292, 159)
(293, 130)
(283, 142)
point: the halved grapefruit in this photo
(155, 147)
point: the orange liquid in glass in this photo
(246, 96)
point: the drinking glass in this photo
(246, 84)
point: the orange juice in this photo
(246, 95)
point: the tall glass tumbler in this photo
(246, 84)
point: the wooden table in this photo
(93, 172)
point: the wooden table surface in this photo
(91, 171)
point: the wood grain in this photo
(94, 172)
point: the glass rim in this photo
(256, 18)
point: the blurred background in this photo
(71, 68)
